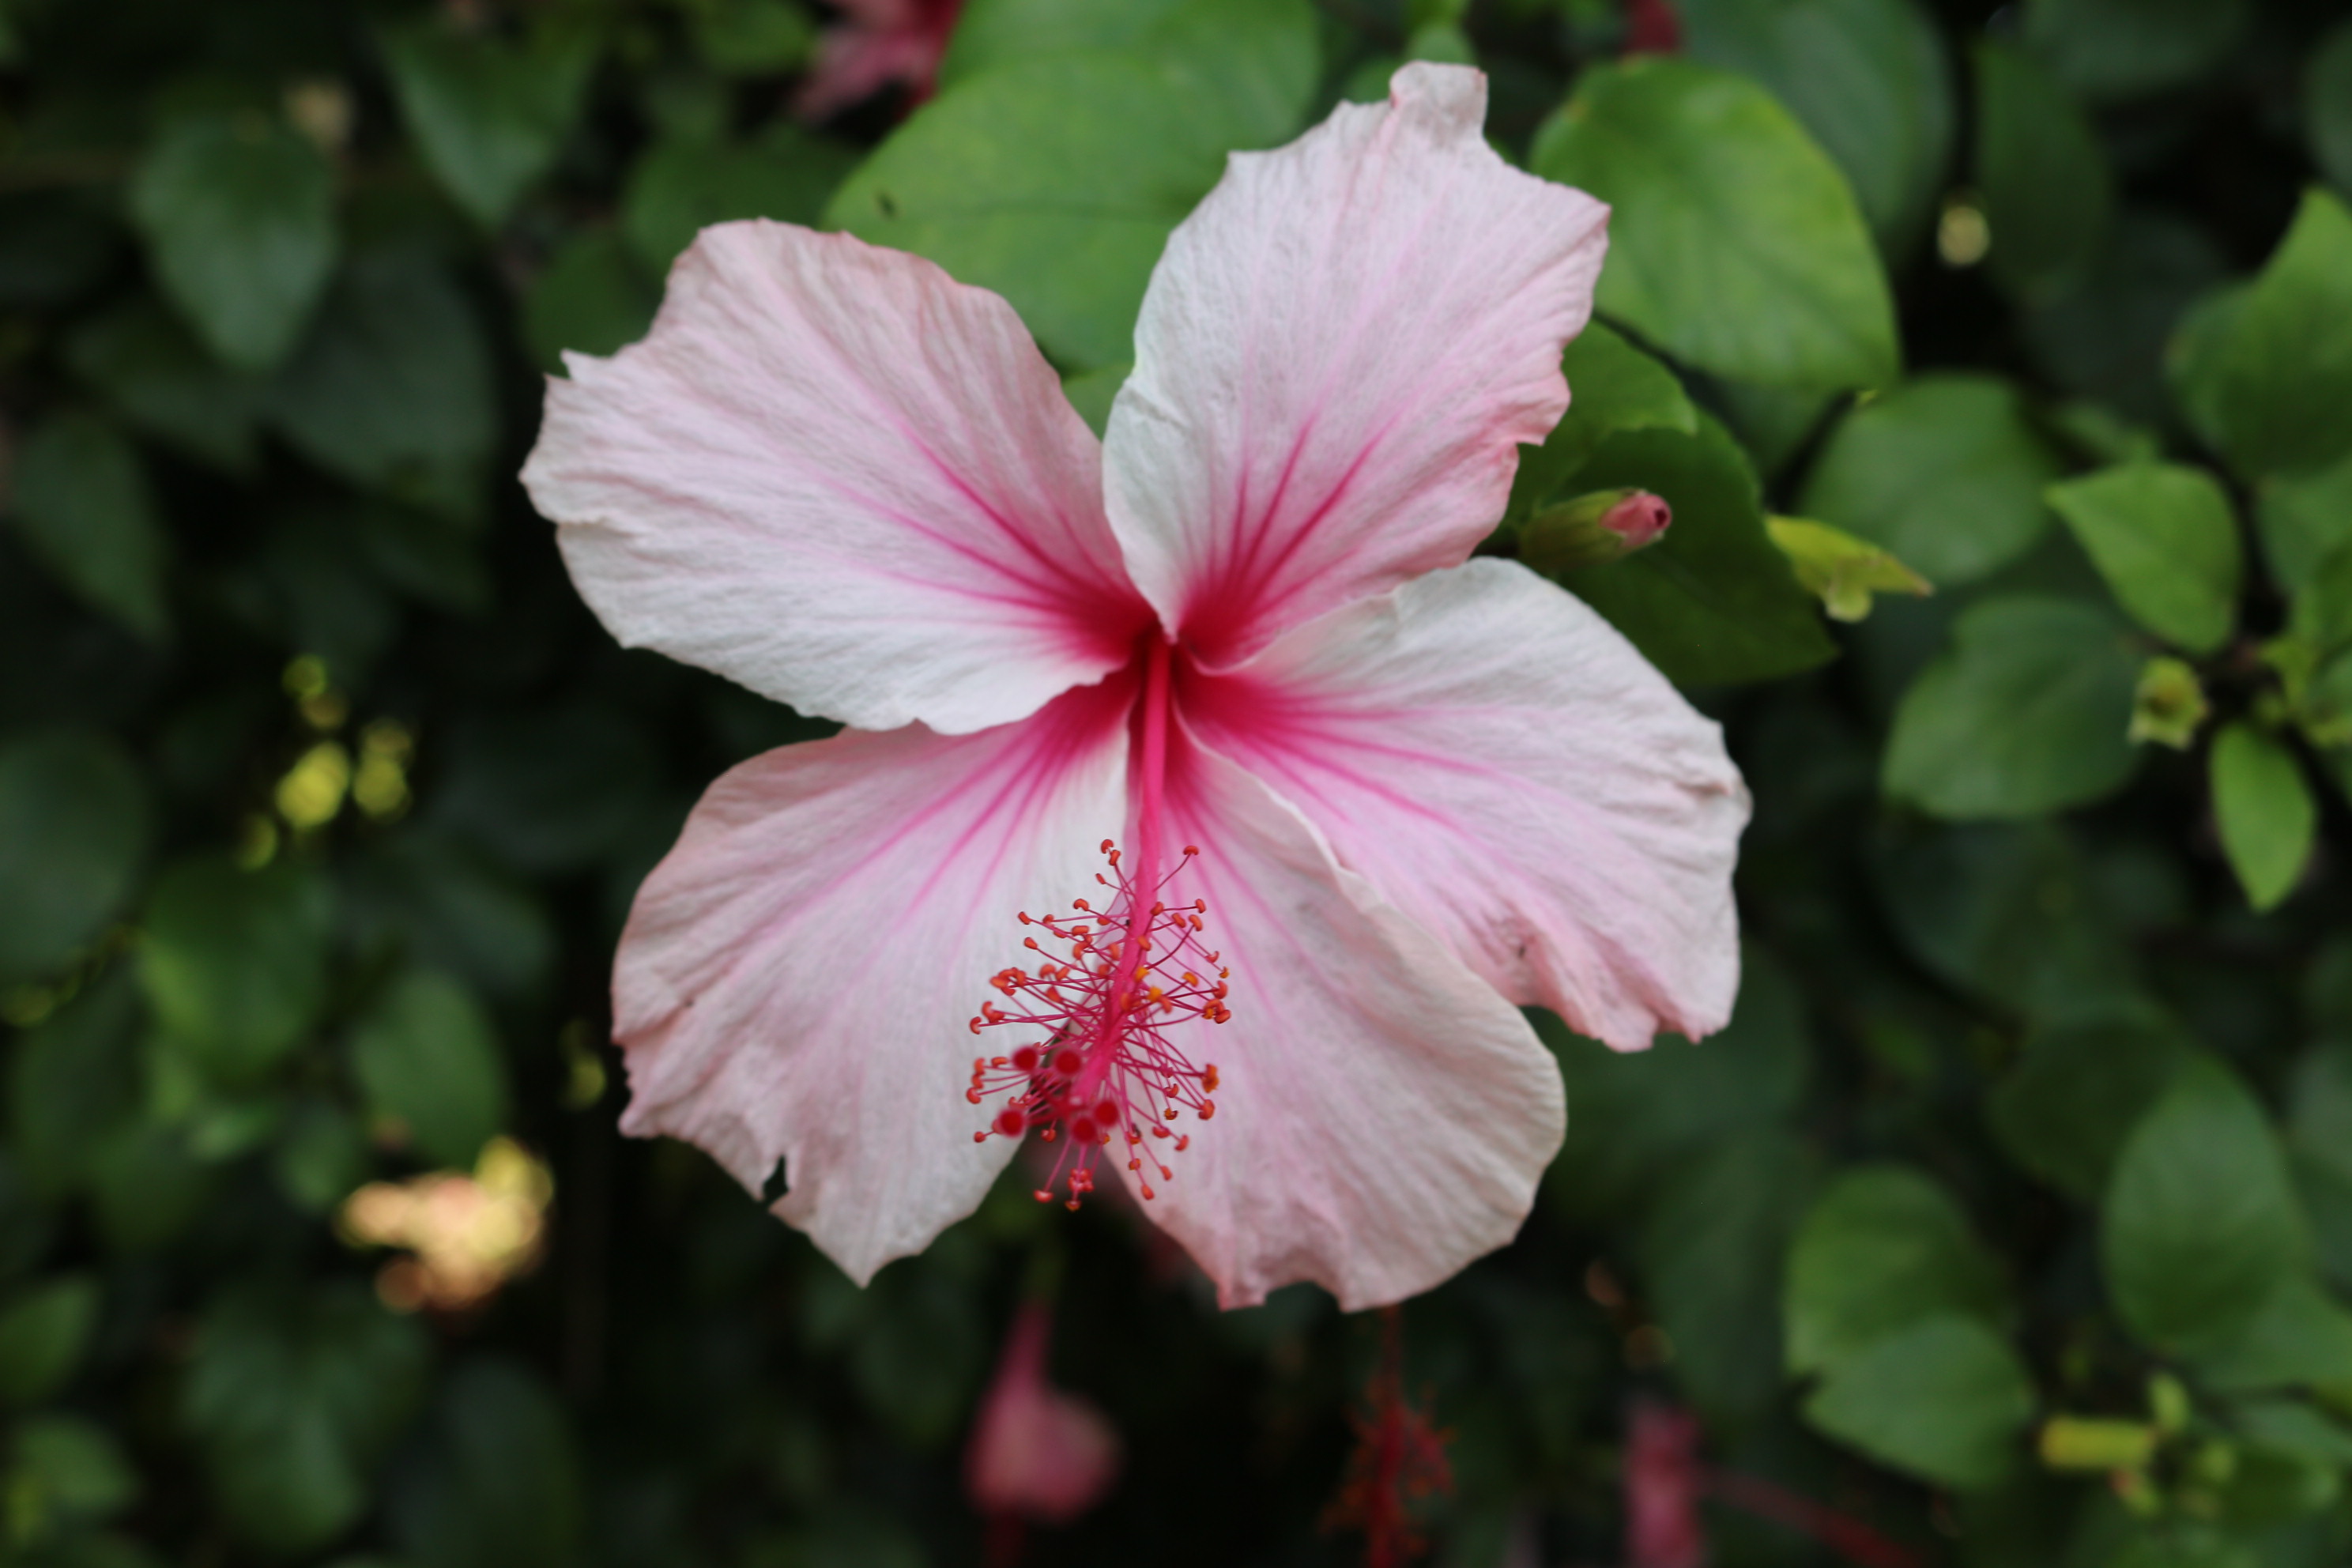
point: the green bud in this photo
(1593, 530)
(1843, 569)
(2084, 1443)
(2169, 705)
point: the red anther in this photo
(1082, 904)
(1011, 1123)
(979, 1137)
(1046, 1136)
(1148, 1193)
(1105, 847)
(1184, 1142)
(1072, 1205)
(1135, 1164)
(975, 1026)
(1027, 920)
(1171, 1112)
(1166, 1174)
(973, 1095)
(1159, 909)
(1042, 1195)
(1208, 1109)
(1157, 1131)
(998, 1062)
(1208, 1077)
(1031, 943)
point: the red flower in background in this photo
(875, 44)
(1652, 27)
(1399, 1461)
(1037, 1453)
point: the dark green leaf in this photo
(1714, 601)
(429, 1063)
(488, 116)
(163, 382)
(2121, 48)
(592, 299)
(2049, 194)
(682, 188)
(1867, 78)
(2305, 518)
(753, 37)
(43, 1334)
(292, 1398)
(1946, 1400)
(2327, 105)
(502, 1485)
(2163, 537)
(2026, 714)
(75, 1080)
(75, 826)
(2265, 372)
(434, 902)
(548, 789)
(147, 1186)
(2106, 338)
(239, 217)
(2200, 1228)
(2265, 810)
(2078, 1089)
(64, 1466)
(1710, 1247)
(1946, 471)
(392, 391)
(2300, 1337)
(1734, 243)
(322, 1156)
(82, 504)
(1882, 1250)
(236, 962)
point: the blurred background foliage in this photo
(2010, 1222)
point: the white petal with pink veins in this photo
(1382, 1117)
(797, 976)
(1341, 352)
(1501, 763)
(837, 476)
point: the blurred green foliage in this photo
(2011, 1218)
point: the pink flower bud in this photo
(1035, 1451)
(1593, 530)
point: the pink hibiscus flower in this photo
(1422, 789)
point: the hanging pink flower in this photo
(1035, 1452)
(877, 44)
(1422, 789)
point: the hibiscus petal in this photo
(1497, 760)
(1382, 1117)
(1341, 352)
(797, 976)
(837, 476)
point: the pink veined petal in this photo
(797, 976)
(835, 475)
(1382, 1116)
(1338, 359)
(1500, 762)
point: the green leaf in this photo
(2305, 518)
(2109, 49)
(1612, 387)
(2026, 714)
(2049, 194)
(1841, 569)
(43, 1334)
(292, 1398)
(2327, 105)
(1664, 1106)
(549, 789)
(428, 1061)
(1714, 601)
(83, 506)
(2200, 1227)
(393, 392)
(75, 1080)
(2300, 1337)
(1257, 61)
(239, 217)
(1867, 78)
(1882, 1250)
(488, 116)
(322, 1156)
(235, 961)
(2079, 1089)
(682, 188)
(160, 379)
(2265, 811)
(1734, 243)
(592, 298)
(2163, 537)
(753, 37)
(500, 1485)
(64, 1467)
(1946, 471)
(1945, 1400)
(1054, 178)
(147, 1186)
(2264, 371)
(75, 826)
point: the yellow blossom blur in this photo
(466, 1236)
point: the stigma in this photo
(1101, 1079)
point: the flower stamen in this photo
(1105, 1068)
